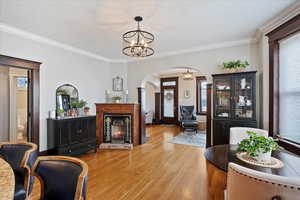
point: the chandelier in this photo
(137, 42)
(188, 75)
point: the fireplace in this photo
(118, 125)
(117, 128)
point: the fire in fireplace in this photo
(117, 128)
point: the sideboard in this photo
(71, 136)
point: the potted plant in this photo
(60, 113)
(86, 110)
(258, 147)
(116, 99)
(78, 106)
(235, 66)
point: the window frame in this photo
(199, 80)
(285, 30)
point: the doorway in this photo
(169, 100)
(19, 100)
(14, 104)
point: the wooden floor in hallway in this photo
(157, 170)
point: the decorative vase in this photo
(233, 70)
(263, 157)
(86, 111)
(61, 115)
(79, 111)
(73, 112)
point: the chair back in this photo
(237, 134)
(62, 177)
(247, 184)
(187, 113)
(21, 156)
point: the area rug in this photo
(191, 139)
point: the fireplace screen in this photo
(117, 128)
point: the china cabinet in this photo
(234, 103)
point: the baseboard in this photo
(116, 146)
(44, 153)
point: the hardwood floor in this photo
(153, 171)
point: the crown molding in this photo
(281, 18)
(199, 48)
(25, 34)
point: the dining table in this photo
(219, 156)
(7, 181)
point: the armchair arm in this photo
(194, 117)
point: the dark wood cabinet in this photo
(234, 103)
(71, 136)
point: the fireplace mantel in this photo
(118, 108)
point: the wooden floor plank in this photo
(157, 170)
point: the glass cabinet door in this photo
(244, 102)
(222, 103)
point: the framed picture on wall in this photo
(117, 84)
(187, 94)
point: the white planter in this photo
(263, 157)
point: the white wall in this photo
(119, 69)
(150, 90)
(91, 76)
(183, 86)
(205, 61)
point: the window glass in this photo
(169, 83)
(289, 88)
(169, 103)
(201, 94)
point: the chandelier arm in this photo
(124, 35)
(150, 52)
(151, 39)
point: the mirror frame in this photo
(58, 88)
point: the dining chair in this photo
(248, 184)
(21, 157)
(237, 134)
(61, 177)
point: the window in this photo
(201, 91)
(22, 82)
(284, 84)
(289, 88)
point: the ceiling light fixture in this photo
(188, 75)
(137, 42)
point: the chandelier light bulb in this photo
(132, 43)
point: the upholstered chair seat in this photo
(61, 177)
(248, 184)
(237, 134)
(21, 157)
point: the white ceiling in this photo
(97, 25)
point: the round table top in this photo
(221, 155)
(7, 181)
